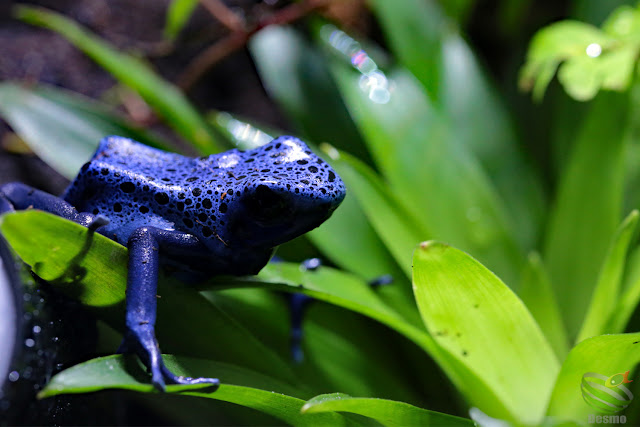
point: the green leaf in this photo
(537, 295)
(429, 46)
(416, 151)
(583, 76)
(630, 295)
(93, 269)
(552, 45)
(165, 98)
(605, 355)
(387, 412)
(238, 385)
(416, 31)
(63, 128)
(178, 15)
(607, 291)
(478, 321)
(587, 207)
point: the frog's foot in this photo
(143, 343)
(97, 222)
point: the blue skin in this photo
(222, 214)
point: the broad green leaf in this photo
(537, 295)
(554, 44)
(630, 296)
(238, 385)
(63, 128)
(480, 322)
(165, 98)
(178, 15)
(607, 291)
(296, 76)
(387, 412)
(93, 269)
(605, 355)
(416, 151)
(587, 207)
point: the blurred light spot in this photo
(29, 342)
(243, 133)
(37, 329)
(14, 376)
(594, 50)
(373, 81)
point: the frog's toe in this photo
(171, 378)
(157, 379)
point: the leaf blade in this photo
(456, 296)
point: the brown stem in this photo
(222, 13)
(238, 38)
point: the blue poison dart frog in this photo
(222, 214)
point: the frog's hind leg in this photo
(144, 246)
(18, 196)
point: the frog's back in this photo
(134, 186)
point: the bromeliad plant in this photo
(434, 157)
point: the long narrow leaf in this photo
(165, 98)
(606, 293)
(387, 412)
(604, 355)
(537, 294)
(64, 129)
(587, 208)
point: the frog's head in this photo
(289, 192)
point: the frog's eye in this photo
(265, 204)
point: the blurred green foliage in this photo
(513, 309)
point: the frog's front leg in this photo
(18, 196)
(142, 281)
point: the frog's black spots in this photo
(332, 176)
(312, 169)
(117, 207)
(302, 162)
(161, 198)
(203, 216)
(206, 231)
(196, 192)
(191, 179)
(206, 203)
(223, 207)
(181, 196)
(128, 187)
(104, 171)
(187, 222)
(180, 206)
